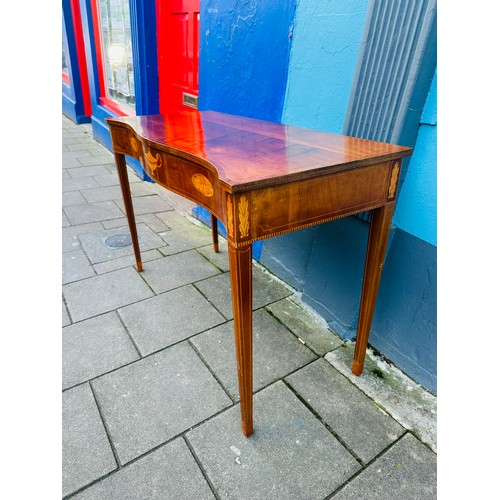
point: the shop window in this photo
(65, 68)
(117, 68)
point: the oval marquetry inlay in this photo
(154, 162)
(202, 184)
(135, 145)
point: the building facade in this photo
(360, 67)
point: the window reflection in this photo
(117, 50)
(65, 68)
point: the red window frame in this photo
(104, 100)
(80, 55)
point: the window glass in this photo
(65, 68)
(117, 51)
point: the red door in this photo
(177, 23)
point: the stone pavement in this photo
(150, 396)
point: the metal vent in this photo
(190, 100)
(118, 241)
(396, 64)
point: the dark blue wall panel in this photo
(288, 256)
(244, 50)
(407, 302)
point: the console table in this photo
(262, 179)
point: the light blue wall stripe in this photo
(416, 211)
(325, 45)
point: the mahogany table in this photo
(261, 179)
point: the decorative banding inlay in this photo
(230, 221)
(243, 216)
(202, 184)
(394, 180)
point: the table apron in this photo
(280, 209)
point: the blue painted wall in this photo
(326, 263)
(326, 39)
(405, 321)
(325, 45)
(416, 211)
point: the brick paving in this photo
(150, 399)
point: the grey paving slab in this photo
(72, 198)
(76, 266)
(93, 212)
(69, 155)
(78, 173)
(107, 180)
(65, 221)
(181, 241)
(167, 473)
(91, 148)
(132, 176)
(276, 352)
(70, 163)
(93, 347)
(77, 184)
(94, 244)
(182, 205)
(168, 318)
(354, 417)
(291, 455)
(102, 194)
(219, 259)
(142, 189)
(104, 293)
(173, 219)
(150, 220)
(185, 235)
(148, 402)
(102, 152)
(407, 471)
(146, 204)
(96, 160)
(70, 240)
(127, 261)
(408, 402)
(86, 452)
(316, 336)
(65, 175)
(177, 270)
(265, 290)
(69, 139)
(153, 222)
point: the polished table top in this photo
(247, 153)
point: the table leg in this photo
(121, 167)
(215, 233)
(240, 266)
(378, 237)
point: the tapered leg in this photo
(121, 167)
(240, 266)
(215, 233)
(378, 237)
